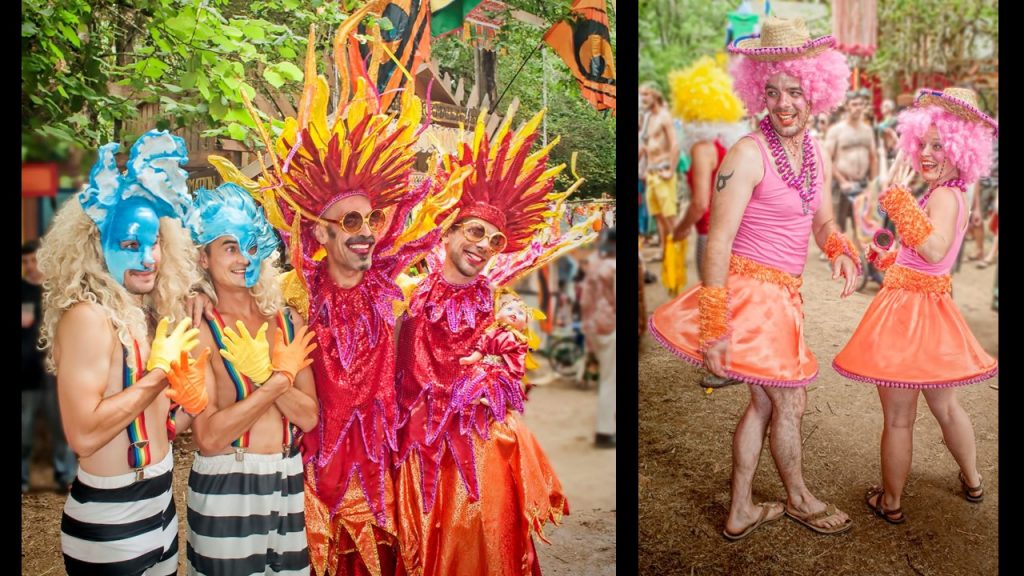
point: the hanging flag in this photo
(448, 15)
(408, 39)
(583, 42)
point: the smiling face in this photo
(934, 163)
(131, 245)
(466, 259)
(348, 253)
(512, 311)
(226, 263)
(788, 109)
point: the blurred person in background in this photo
(661, 150)
(39, 388)
(597, 305)
(851, 146)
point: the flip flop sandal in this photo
(973, 494)
(762, 519)
(887, 515)
(830, 510)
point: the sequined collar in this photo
(460, 304)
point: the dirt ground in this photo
(685, 460)
(560, 415)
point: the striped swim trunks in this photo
(246, 517)
(113, 525)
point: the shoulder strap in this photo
(139, 455)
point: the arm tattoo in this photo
(722, 180)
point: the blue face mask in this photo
(135, 223)
(127, 208)
(247, 244)
(230, 211)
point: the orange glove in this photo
(188, 383)
(291, 358)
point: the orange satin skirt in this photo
(913, 336)
(519, 493)
(766, 341)
(351, 543)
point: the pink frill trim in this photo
(823, 41)
(915, 385)
(699, 363)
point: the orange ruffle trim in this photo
(758, 271)
(837, 244)
(911, 221)
(905, 278)
(714, 314)
(885, 261)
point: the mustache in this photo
(361, 240)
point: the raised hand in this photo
(291, 358)
(188, 383)
(249, 355)
(166, 348)
(900, 174)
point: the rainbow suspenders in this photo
(139, 455)
(244, 386)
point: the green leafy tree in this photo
(923, 37)
(87, 65)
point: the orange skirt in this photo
(519, 493)
(351, 543)
(913, 336)
(766, 340)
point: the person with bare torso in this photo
(115, 260)
(261, 396)
(851, 145)
(661, 150)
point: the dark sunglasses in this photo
(352, 222)
(476, 232)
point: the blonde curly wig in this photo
(71, 259)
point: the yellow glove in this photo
(166, 348)
(188, 383)
(250, 356)
(291, 358)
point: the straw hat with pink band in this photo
(955, 115)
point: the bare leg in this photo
(957, 431)
(746, 452)
(979, 242)
(787, 412)
(991, 258)
(899, 409)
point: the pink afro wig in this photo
(824, 79)
(967, 143)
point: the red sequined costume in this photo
(317, 161)
(472, 483)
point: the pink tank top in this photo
(909, 258)
(774, 228)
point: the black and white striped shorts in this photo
(115, 526)
(247, 517)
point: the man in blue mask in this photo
(262, 397)
(114, 262)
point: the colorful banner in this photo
(408, 40)
(583, 42)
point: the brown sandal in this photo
(762, 519)
(891, 516)
(973, 494)
(809, 519)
